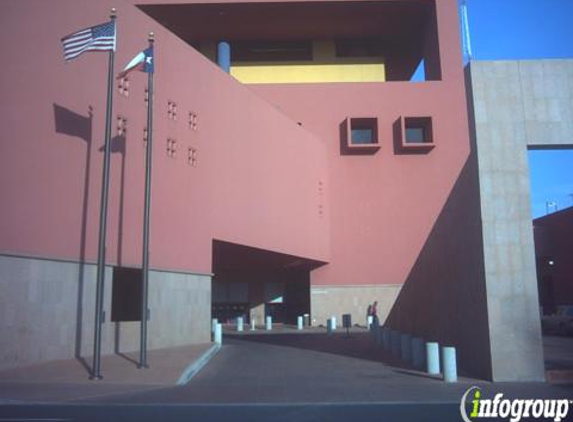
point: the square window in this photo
(363, 131)
(360, 135)
(418, 130)
(414, 135)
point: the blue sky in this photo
(529, 29)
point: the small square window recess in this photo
(360, 135)
(418, 130)
(192, 157)
(171, 147)
(413, 135)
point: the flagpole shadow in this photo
(70, 123)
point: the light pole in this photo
(549, 204)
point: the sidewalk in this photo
(68, 380)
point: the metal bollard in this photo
(395, 343)
(406, 347)
(433, 358)
(240, 324)
(418, 352)
(269, 323)
(299, 322)
(218, 334)
(450, 365)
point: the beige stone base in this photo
(47, 311)
(327, 301)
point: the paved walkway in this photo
(313, 367)
(283, 366)
(68, 380)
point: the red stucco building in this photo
(315, 178)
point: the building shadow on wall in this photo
(73, 124)
(444, 297)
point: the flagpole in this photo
(146, 215)
(99, 317)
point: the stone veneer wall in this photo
(518, 105)
(327, 301)
(47, 311)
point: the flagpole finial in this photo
(151, 37)
(113, 13)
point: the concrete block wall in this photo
(47, 311)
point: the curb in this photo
(196, 366)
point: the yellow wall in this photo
(325, 67)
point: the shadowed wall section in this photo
(444, 297)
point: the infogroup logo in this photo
(513, 410)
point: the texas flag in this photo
(143, 61)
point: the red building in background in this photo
(553, 246)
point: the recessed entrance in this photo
(254, 283)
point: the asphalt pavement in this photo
(283, 375)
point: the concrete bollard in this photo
(214, 322)
(386, 338)
(240, 324)
(450, 364)
(418, 352)
(253, 325)
(406, 347)
(433, 358)
(299, 323)
(369, 321)
(269, 325)
(379, 336)
(218, 333)
(395, 343)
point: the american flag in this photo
(97, 38)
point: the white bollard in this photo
(269, 320)
(329, 326)
(333, 322)
(218, 333)
(253, 325)
(449, 362)
(433, 358)
(214, 323)
(369, 321)
(240, 324)
(299, 322)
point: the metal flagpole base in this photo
(96, 377)
(144, 366)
